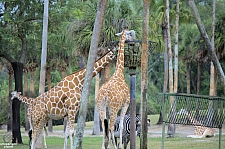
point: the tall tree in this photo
(90, 65)
(176, 48)
(43, 59)
(207, 42)
(171, 127)
(144, 74)
(212, 75)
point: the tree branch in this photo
(7, 57)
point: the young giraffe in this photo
(63, 100)
(114, 95)
(29, 103)
(200, 130)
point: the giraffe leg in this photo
(38, 127)
(71, 133)
(104, 122)
(66, 135)
(44, 135)
(70, 128)
(111, 130)
(123, 112)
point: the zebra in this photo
(126, 129)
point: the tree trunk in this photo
(9, 122)
(96, 128)
(43, 59)
(207, 42)
(171, 127)
(90, 65)
(188, 77)
(166, 70)
(32, 82)
(199, 78)
(18, 74)
(25, 89)
(212, 69)
(65, 118)
(144, 74)
(82, 62)
(48, 71)
(176, 48)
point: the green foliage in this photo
(3, 102)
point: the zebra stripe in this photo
(126, 128)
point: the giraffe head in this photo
(15, 94)
(129, 36)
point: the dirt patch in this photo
(153, 131)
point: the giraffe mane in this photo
(109, 50)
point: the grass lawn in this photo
(95, 142)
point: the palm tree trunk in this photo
(90, 65)
(144, 74)
(25, 90)
(32, 82)
(171, 127)
(165, 85)
(176, 48)
(212, 69)
(96, 128)
(188, 81)
(199, 78)
(43, 59)
(188, 77)
(48, 71)
(63, 71)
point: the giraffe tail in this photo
(106, 124)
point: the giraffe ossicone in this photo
(114, 95)
(63, 100)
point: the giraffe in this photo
(114, 95)
(29, 103)
(200, 130)
(63, 100)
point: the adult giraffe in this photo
(63, 100)
(114, 95)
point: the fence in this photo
(208, 111)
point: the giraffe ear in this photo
(118, 34)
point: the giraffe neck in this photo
(24, 99)
(120, 56)
(102, 62)
(98, 66)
